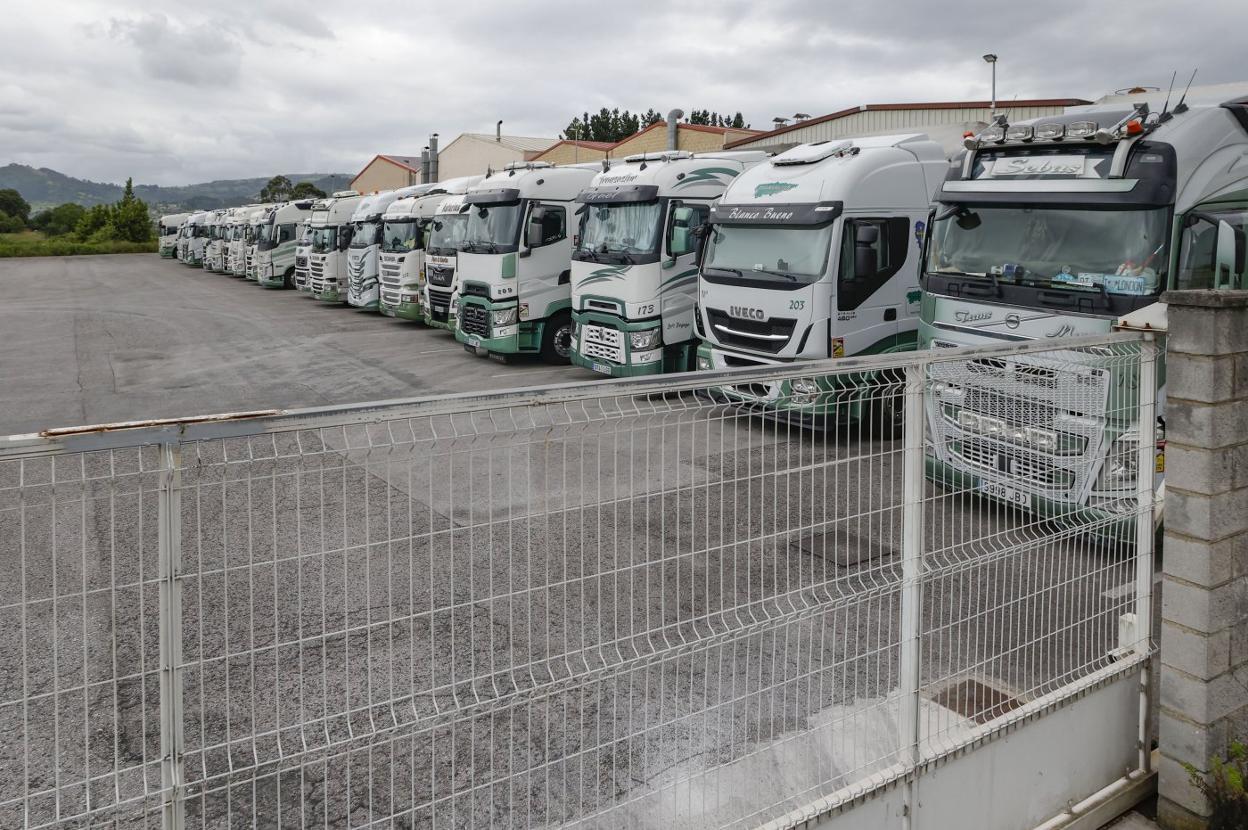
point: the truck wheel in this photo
(557, 340)
(886, 411)
(288, 280)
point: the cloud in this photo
(196, 55)
(238, 88)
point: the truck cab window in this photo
(872, 251)
(1212, 251)
(686, 217)
(554, 224)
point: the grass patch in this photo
(34, 243)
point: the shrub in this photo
(1224, 788)
(64, 246)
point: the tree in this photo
(10, 223)
(305, 190)
(12, 203)
(614, 125)
(59, 220)
(738, 121)
(130, 220)
(277, 190)
(94, 223)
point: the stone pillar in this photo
(1204, 627)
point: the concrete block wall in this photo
(1204, 609)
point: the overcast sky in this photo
(235, 88)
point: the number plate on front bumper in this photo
(601, 368)
(1002, 492)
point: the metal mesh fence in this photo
(661, 603)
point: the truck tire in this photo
(557, 340)
(886, 411)
(288, 279)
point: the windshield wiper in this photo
(784, 274)
(720, 268)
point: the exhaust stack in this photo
(433, 157)
(673, 118)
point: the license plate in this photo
(441, 309)
(1004, 493)
(601, 368)
(474, 342)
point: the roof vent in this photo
(815, 152)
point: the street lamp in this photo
(992, 59)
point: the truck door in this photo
(869, 301)
(545, 260)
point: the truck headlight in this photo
(504, 316)
(1120, 467)
(803, 391)
(704, 363)
(409, 298)
(646, 339)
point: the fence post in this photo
(1145, 494)
(911, 576)
(1204, 625)
(169, 541)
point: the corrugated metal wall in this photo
(883, 122)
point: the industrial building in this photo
(939, 119)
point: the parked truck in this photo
(170, 225)
(814, 254)
(1065, 226)
(409, 225)
(303, 249)
(241, 224)
(195, 234)
(634, 275)
(363, 283)
(276, 239)
(515, 262)
(440, 297)
(331, 236)
(214, 249)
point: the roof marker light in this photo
(1049, 132)
(1018, 132)
(1134, 127)
(1081, 129)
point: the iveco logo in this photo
(1012, 321)
(746, 313)
(971, 316)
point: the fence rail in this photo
(651, 602)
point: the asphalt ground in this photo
(665, 608)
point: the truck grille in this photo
(603, 343)
(473, 319)
(389, 270)
(440, 276)
(390, 296)
(770, 335)
(440, 305)
(1019, 465)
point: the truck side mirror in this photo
(866, 260)
(1230, 252)
(534, 232)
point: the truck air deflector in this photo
(620, 194)
(499, 196)
(810, 213)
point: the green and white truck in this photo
(515, 263)
(1064, 226)
(241, 229)
(331, 236)
(274, 258)
(194, 239)
(440, 306)
(814, 254)
(363, 256)
(634, 269)
(168, 233)
(303, 249)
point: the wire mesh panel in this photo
(708, 600)
(80, 620)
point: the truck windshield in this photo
(365, 234)
(447, 233)
(1117, 251)
(324, 239)
(493, 229)
(264, 237)
(781, 254)
(623, 228)
(400, 236)
(305, 236)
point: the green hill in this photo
(45, 188)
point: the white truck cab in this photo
(218, 231)
(331, 236)
(303, 249)
(274, 259)
(241, 224)
(363, 286)
(634, 274)
(440, 297)
(194, 239)
(170, 225)
(814, 254)
(515, 263)
(1072, 225)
